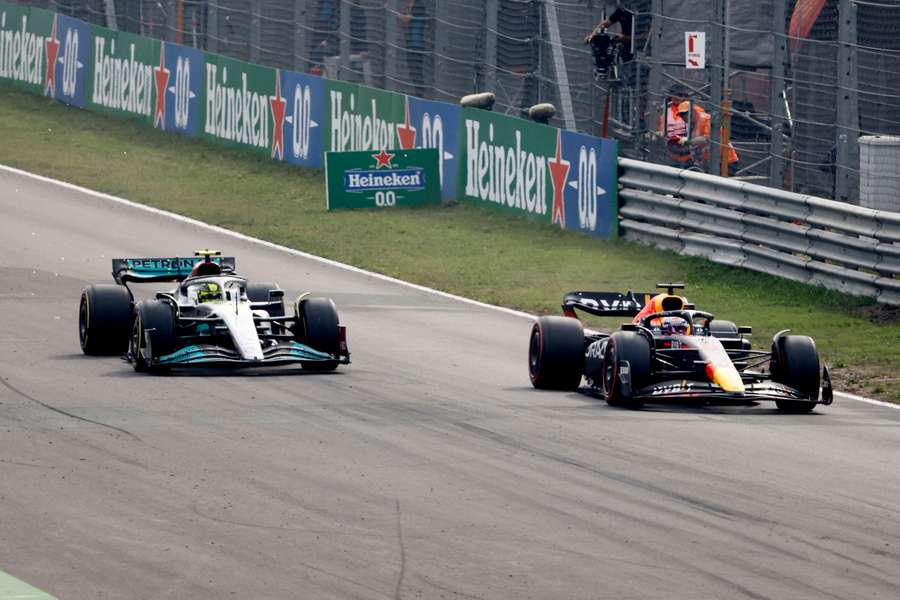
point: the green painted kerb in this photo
(13, 589)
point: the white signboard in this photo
(695, 49)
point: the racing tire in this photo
(104, 319)
(154, 321)
(633, 347)
(318, 327)
(795, 363)
(723, 329)
(259, 292)
(556, 353)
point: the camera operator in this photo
(625, 19)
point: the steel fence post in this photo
(776, 89)
(846, 172)
(212, 27)
(718, 70)
(490, 45)
(255, 33)
(300, 50)
(344, 41)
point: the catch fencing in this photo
(802, 79)
(795, 236)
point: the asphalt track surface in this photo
(428, 468)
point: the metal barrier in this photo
(799, 237)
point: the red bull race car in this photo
(211, 318)
(672, 351)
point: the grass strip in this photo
(460, 248)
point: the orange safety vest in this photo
(704, 120)
(674, 127)
(677, 126)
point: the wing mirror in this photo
(745, 330)
(276, 295)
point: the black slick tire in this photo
(152, 334)
(556, 353)
(795, 363)
(318, 327)
(104, 319)
(631, 347)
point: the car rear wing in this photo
(148, 270)
(606, 304)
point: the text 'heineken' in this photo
(353, 131)
(21, 53)
(121, 83)
(505, 175)
(235, 114)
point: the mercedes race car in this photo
(671, 351)
(212, 318)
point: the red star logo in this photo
(559, 171)
(278, 106)
(161, 74)
(407, 133)
(52, 52)
(383, 159)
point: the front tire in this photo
(556, 353)
(795, 363)
(631, 347)
(152, 334)
(318, 327)
(104, 319)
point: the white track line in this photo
(327, 261)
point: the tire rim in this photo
(609, 371)
(136, 339)
(83, 322)
(534, 353)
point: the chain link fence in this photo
(792, 84)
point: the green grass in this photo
(463, 249)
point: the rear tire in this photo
(795, 363)
(104, 319)
(630, 346)
(159, 318)
(556, 353)
(318, 327)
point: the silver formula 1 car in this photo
(671, 351)
(213, 318)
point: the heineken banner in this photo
(123, 76)
(362, 118)
(538, 171)
(383, 179)
(305, 118)
(24, 34)
(69, 49)
(243, 106)
(430, 124)
(179, 83)
(591, 192)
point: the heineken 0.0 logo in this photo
(70, 63)
(182, 92)
(302, 118)
(382, 179)
(587, 186)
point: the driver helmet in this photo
(209, 292)
(675, 326)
